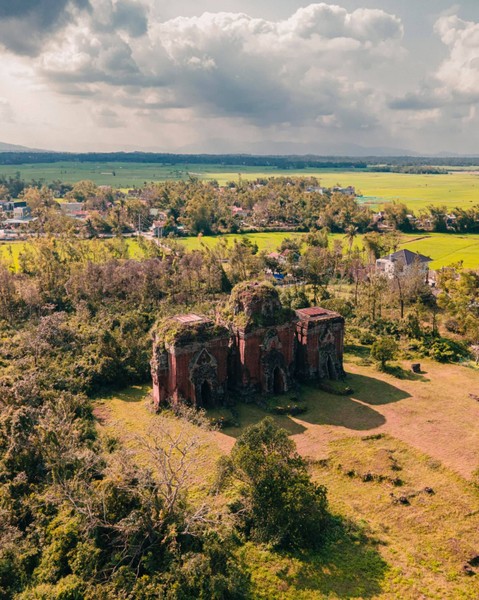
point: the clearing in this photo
(414, 439)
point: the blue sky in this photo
(257, 76)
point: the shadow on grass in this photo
(375, 391)
(400, 373)
(133, 393)
(348, 566)
(341, 411)
(250, 414)
(353, 411)
(357, 350)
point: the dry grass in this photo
(387, 439)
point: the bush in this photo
(445, 350)
(383, 350)
(367, 338)
(278, 504)
(452, 325)
(343, 307)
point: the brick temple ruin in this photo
(255, 345)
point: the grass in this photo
(416, 191)
(389, 438)
(265, 241)
(128, 175)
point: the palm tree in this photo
(351, 233)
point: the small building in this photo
(402, 262)
(21, 212)
(347, 191)
(255, 346)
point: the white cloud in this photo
(459, 73)
(321, 73)
(314, 64)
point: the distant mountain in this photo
(268, 147)
(15, 148)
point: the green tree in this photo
(383, 350)
(278, 503)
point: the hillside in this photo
(5, 147)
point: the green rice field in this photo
(456, 189)
(444, 249)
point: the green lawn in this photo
(265, 241)
(444, 249)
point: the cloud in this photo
(130, 17)
(314, 66)
(107, 118)
(454, 86)
(6, 111)
(25, 25)
(459, 73)
(415, 102)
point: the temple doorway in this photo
(205, 399)
(278, 381)
(331, 369)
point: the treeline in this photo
(195, 207)
(13, 186)
(245, 160)
(410, 170)
(281, 162)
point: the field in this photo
(444, 249)
(389, 438)
(458, 188)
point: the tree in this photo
(278, 502)
(396, 215)
(383, 350)
(351, 233)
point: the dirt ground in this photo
(433, 413)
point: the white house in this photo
(402, 262)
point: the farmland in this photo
(419, 431)
(444, 249)
(456, 189)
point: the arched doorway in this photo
(331, 369)
(205, 399)
(278, 381)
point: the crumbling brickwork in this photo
(256, 346)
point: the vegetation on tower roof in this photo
(256, 304)
(171, 332)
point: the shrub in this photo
(446, 350)
(343, 307)
(452, 325)
(383, 350)
(367, 338)
(278, 504)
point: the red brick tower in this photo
(190, 358)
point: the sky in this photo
(240, 75)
